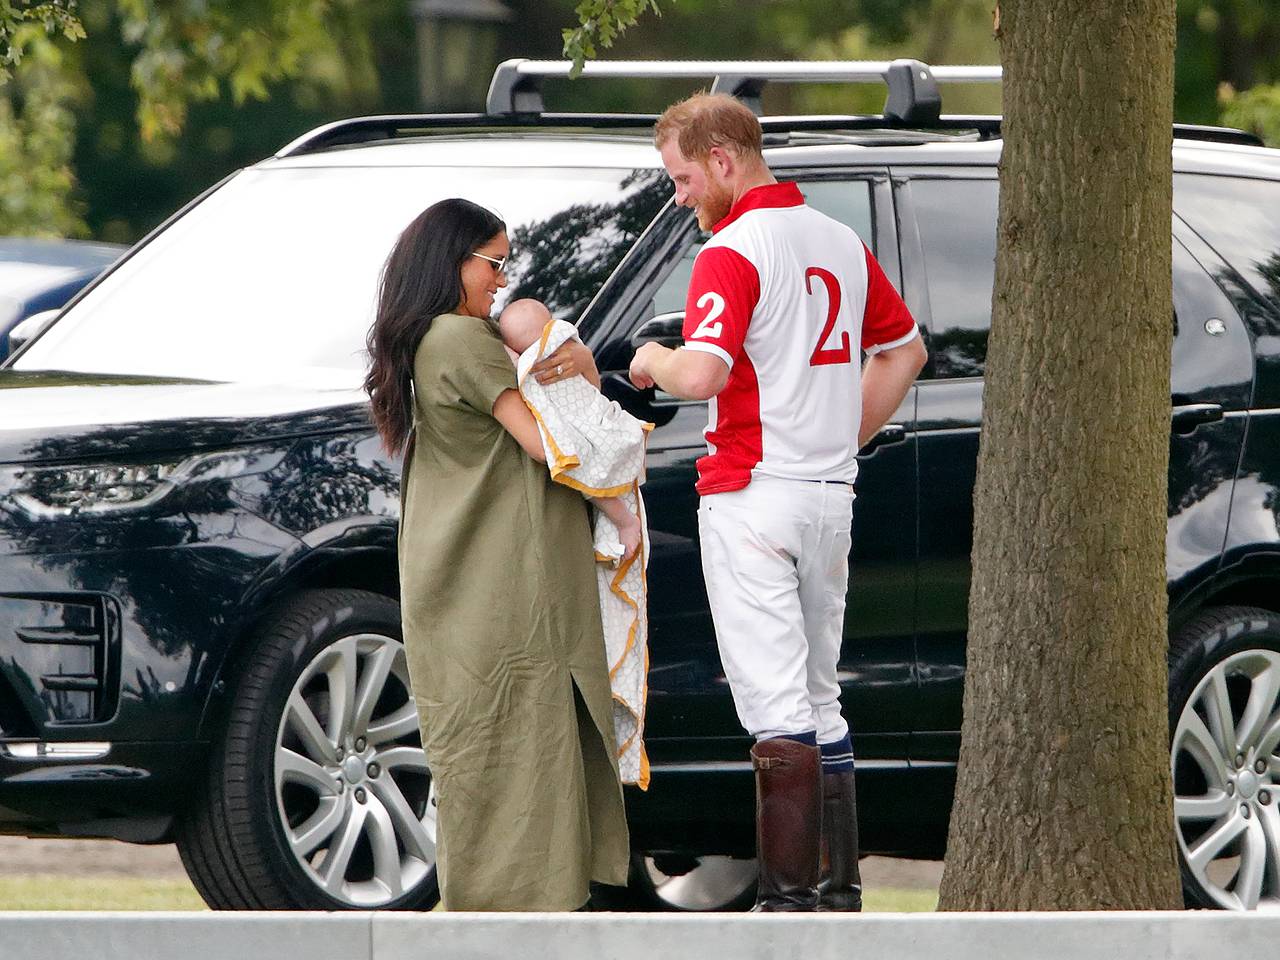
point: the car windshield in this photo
(273, 277)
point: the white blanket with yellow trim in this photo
(596, 447)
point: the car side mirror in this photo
(666, 329)
(30, 328)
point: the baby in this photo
(598, 449)
(522, 324)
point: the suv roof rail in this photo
(1194, 131)
(390, 127)
(357, 130)
(913, 97)
(365, 129)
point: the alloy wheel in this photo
(1226, 775)
(352, 786)
(701, 883)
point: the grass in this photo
(38, 891)
(877, 900)
(55, 892)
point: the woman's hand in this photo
(570, 359)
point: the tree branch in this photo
(600, 23)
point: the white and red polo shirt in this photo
(787, 296)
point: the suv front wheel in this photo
(1224, 711)
(318, 796)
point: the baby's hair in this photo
(522, 322)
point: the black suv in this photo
(199, 629)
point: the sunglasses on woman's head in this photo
(499, 263)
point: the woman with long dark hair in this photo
(498, 592)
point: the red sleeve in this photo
(886, 321)
(723, 292)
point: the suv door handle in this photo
(890, 433)
(1189, 416)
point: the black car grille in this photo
(60, 663)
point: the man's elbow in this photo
(706, 378)
(704, 386)
(920, 355)
(908, 359)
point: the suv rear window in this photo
(1240, 219)
(957, 221)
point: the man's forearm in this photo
(886, 378)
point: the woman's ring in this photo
(559, 369)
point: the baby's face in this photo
(522, 323)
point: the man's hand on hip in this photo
(886, 378)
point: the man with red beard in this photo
(780, 299)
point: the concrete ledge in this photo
(633, 936)
(184, 936)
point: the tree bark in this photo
(1063, 799)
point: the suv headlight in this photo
(89, 490)
(64, 491)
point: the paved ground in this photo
(885, 872)
(21, 856)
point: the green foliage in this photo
(18, 16)
(1232, 42)
(36, 124)
(601, 22)
(769, 27)
(178, 53)
(937, 31)
(186, 50)
(954, 31)
(37, 130)
(1256, 110)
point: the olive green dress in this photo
(501, 622)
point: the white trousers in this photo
(775, 558)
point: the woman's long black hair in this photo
(421, 280)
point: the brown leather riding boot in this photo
(788, 824)
(840, 888)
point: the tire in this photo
(317, 795)
(683, 883)
(1224, 722)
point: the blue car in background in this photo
(38, 275)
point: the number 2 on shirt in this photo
(710, 327)
(823, 355)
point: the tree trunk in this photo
(1064, 795)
